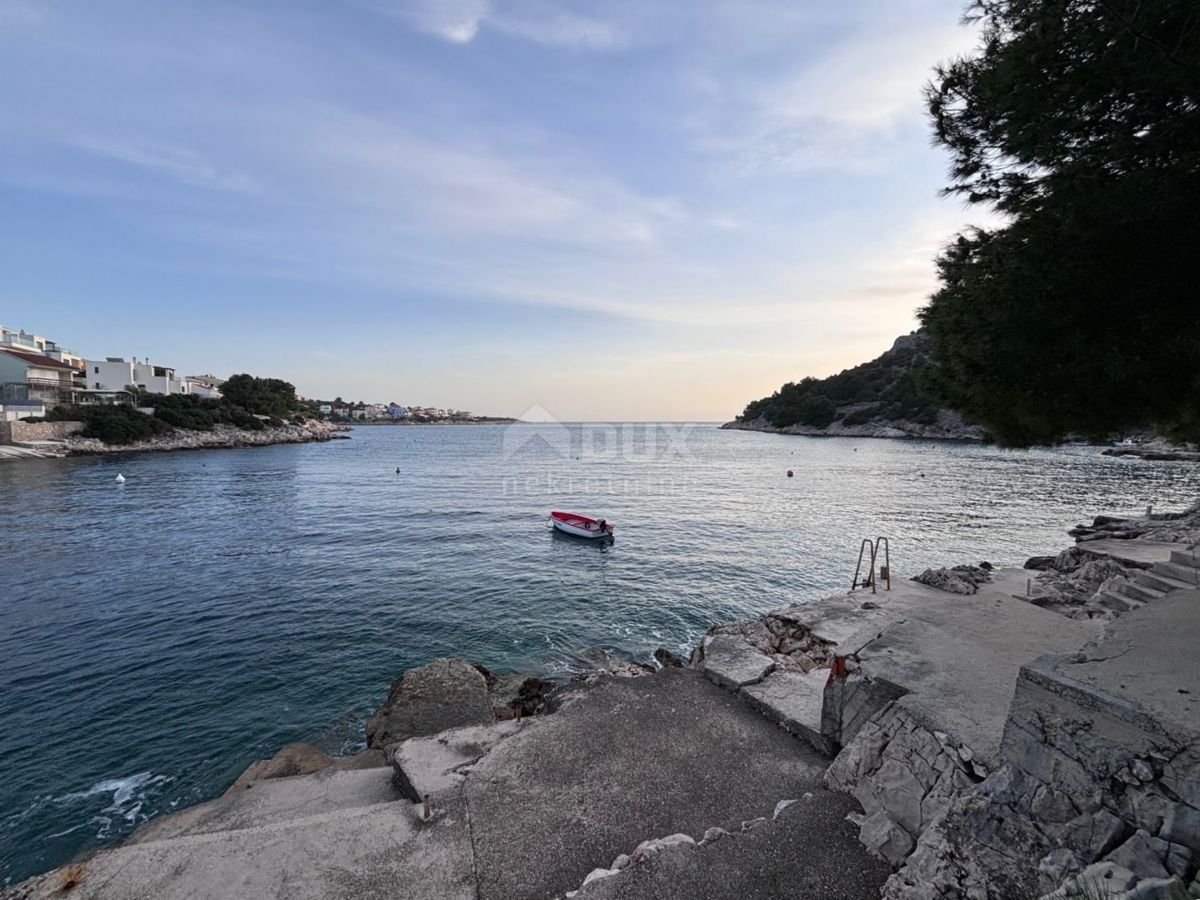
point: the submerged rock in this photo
(446, 693)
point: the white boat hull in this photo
(578, 531)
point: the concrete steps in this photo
(1139, 592)
(1119, 602)
(1185, 574)
(375, 851)
(1190, 558)
(275, 801)
(1162, 581)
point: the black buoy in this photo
(790, 473)
(397, 470)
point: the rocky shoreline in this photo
(963, 734)
(948, 427)
(221, 436)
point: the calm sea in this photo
(156, 637)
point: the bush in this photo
(111, 424)
(861, 416)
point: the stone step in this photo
(1139, 592)
(275, 801)
(1189, 558)
(1158, 581)
(1185, 575)
(793, 700)
(1118, 602)
(380, 850)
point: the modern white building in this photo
(27, 342)
(113, 373)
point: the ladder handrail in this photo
(873, 547)
(865, 545)
(887, 557)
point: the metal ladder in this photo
(871, 551)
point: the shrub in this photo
(111, 424)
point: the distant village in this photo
(38, 374)
(393, 413)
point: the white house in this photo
(25, 342)
(31, 382)
(113, 373)
(201, 389)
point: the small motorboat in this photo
(581, 526)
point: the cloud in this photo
(545, 23)
(842, 109)
(179, 163)
(456, 21)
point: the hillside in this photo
(880, 398)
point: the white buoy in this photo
(120, 478)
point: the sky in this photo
(618, 210)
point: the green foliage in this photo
(891, 383)
(111, 424)
(261, 396)
(1080, 121)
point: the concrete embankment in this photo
(946, 738)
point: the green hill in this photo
(885, 396)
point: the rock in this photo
(597, 874)
(1059, 864)
(958, 580)
(1158, 889)
(623, 860)
(1039, 563)
(655, 845)
(781, 806)
(292, 759)
(1142, 855)
(885, 839)
(731, 662)
(714, 834)
(604, 662)
(446, 693)
(1181, 825)
(531, 696)
(869, 604)
(1104, 879)
(1142, 769)
(667, 659)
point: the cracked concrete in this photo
(520, 809)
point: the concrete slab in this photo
(1139, 661)
(439, 763)
(630, 759)
(1135, 553)
(731, 662)
(273, 801)
(809, 852)
(380, 852)
(959, 655)
(793, 700)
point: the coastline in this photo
(936, 432)
(220, 437)
(917, 702)
(481, 421)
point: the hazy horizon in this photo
(619, 213)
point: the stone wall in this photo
(16, 432)
(905, 774)
(1098, 790)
